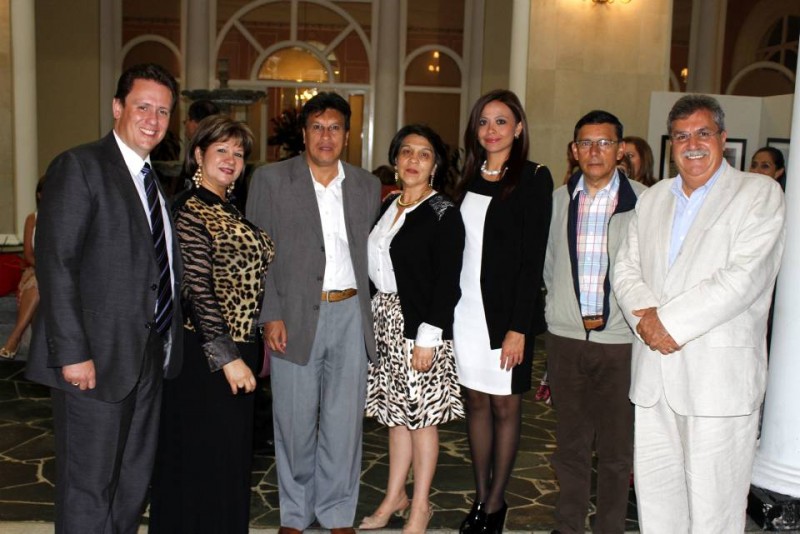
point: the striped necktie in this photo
(163, 315)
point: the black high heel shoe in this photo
(475, 522)
(496, 520)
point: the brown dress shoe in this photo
(343, 530)
(289, 530)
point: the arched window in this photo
(780, 43)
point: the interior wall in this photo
(7, 213)
(586, 56)
(68, 75)
(496, 45)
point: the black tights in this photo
(493, 426)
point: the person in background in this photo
(415, 262)
(198, 110)
(505, 202)
(769, 161)
(28, 289)
(572, 164)
(641, 161)
(108, 326)
(201, 481)
(389, 180)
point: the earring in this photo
(396, 176)
(198, 176)
(229, 189)
(516, 136)
(430, 180)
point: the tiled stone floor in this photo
(27, 470)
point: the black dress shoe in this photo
(496, 520)
(475, 522)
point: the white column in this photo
(199, 40)
(26, 148)
(777, 463)
(473, 39)
(706, 46)
(110, 61)
(520, 32)
(387, 79)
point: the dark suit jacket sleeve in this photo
(65, 214)
(537, 206)
(259, 212)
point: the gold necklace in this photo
(407, 204)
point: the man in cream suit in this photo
(317, 316)
(695, 281)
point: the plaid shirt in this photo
(592, 242)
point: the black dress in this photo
(201, 480)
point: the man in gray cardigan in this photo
(588, 342)
(317, 316)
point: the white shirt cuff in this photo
(428, 336)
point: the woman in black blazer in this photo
(414, 262)
(505, 203)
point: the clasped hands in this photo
(653, 333)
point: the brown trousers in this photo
(589, 383)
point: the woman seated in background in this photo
(201, 481)
(769, 161)
(640, 156)
(415, 262)
(28, 289)
(506, 202)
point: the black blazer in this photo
(514, 246)
(426, 256)
(97, 274)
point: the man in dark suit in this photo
(107, 331)
(317, 315)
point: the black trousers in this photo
(105, 452)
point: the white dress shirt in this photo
(381, 270)
(339, 273)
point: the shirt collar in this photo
(677, 185)
(133, 161)
(610, 188)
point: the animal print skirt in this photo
(397, 395)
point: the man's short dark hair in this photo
(146, 71)
(598, 116)
(323, 102)
(690, 104)
(200, 109)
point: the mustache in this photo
(695, 153)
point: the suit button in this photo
(148, 326)
(320, 279)
(322, 248)
(316, 307)
(154, 287)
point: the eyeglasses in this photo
(601, 144)
(700, 135)
(333, 129)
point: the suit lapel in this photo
(349, 202)
(302, 188)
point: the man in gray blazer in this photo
(317, 316)
(695, 279)
(108, 322)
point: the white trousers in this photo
(692, 474)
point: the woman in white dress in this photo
(505, 203)
(414, 261)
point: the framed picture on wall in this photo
(734, 152)
(667, 166)
(782, 145)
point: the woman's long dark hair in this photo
(476, 154)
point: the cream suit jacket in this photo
(714, 300)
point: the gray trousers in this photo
(318, 411)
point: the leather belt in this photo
(336, 295)
(593, 322)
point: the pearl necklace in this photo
(407, 204)
(487, 172)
